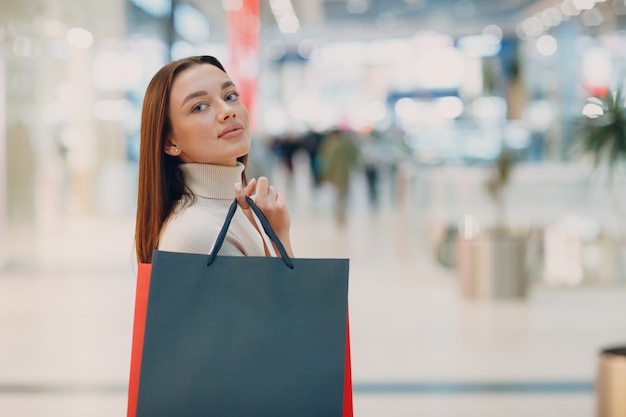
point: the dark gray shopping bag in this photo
(241, 336)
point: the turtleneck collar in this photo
(212, 181)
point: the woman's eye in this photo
(199, 107)
(232, 96)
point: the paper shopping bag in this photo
(241, 336)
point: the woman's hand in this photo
(272, 204)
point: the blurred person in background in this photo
(373, 157)
(195, 140)
(310, 142)
(340, 156)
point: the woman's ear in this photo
(171, 149)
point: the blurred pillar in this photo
(17, 153)
(3, 166)
(83, 155)
(564, 94)
(171, 31)
(243, 44)
(15, 199)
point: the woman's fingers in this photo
(241, 193)
(249, 190)
(280, 199)
(266, 196)
(272, 204)
(262, 187)
(273, 193)
(259, 190)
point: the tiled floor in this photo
(418, 347)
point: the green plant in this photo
(603, 135)
(497, 182)
(501, 174)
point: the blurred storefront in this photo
(65, 107)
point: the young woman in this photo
(195, 138)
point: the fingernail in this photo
(238, 187)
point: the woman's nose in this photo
(226, 111)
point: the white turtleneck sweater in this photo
(192, 227)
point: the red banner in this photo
(243, 44)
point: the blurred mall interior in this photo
(479, 191)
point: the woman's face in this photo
(209, 123)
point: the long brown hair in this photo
(161, 182)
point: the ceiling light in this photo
(546, 45)
(406, 108)
(480, 45)
(493, 30)
(288, 24)
(568, 8)
(551, 17)
(584, 4)
(593, 110)
(533, 26)
(190, 23)
(306, 48)
(285, 16)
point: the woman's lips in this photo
(231, 131)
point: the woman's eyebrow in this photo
(199, 93)
(193, 95)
